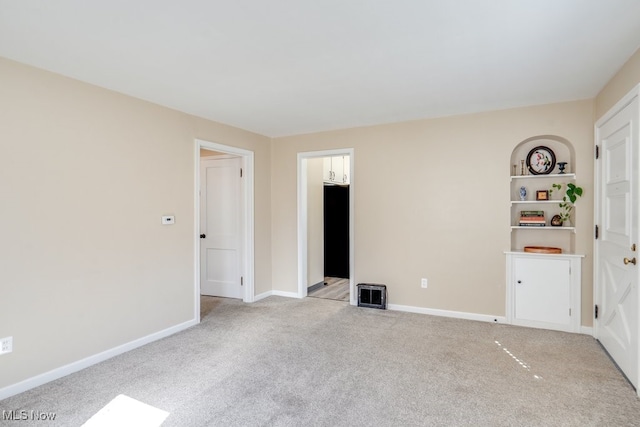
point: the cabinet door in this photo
(337, 166)
(543, 290)
(326, 169)
(346, 167)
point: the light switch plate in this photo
(6, 345)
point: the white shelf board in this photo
(547, 227)
(524, 202)
(535, 254)
(555, 175)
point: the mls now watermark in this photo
(24, 415)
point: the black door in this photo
(336, 231)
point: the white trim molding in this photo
(447, 313)
(79, 365)
(277, 294)
(302, 218)
(587, 330)
(248, 220)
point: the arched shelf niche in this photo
(547, 236)
(562, 148)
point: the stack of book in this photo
(532, 219)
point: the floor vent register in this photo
(372, 295)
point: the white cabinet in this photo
(336, 169)
(543, 291)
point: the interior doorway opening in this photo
(325, 225)
(241, 269)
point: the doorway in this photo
(243, 273)
(221, 233)
(326, 225)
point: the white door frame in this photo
(302, 218)
(247, 199)
(597, 286)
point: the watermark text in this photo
(27, 415)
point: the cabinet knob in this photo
(519, 281)
(627, 261)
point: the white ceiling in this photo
(284, 67)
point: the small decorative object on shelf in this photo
(541, 160)
(571, 194)
(522, 167)
(561, 166)
(542, 195)
(514, 169)
(523, 193)
(556, 221)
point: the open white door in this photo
(616, 257)
(221, 227)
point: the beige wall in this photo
(85, 175)
(624, 80)
(432, 200)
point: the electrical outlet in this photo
(6, 345)
(423, 283)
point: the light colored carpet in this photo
(317, 362)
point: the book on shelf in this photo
(531, 213)
(532, 224)
(531, 218)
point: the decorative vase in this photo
(523, 193)
(561, 166)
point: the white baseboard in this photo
(587, 330)
(286, 294)
(448, 313)
(276, 293)
(65, 370)
(262, 296)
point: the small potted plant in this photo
(571, 194)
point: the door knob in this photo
(202, 236)
(627, 261)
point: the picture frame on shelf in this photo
(541, 160)
(542, 195)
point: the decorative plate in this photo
(541, 160)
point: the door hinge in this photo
(569, 312)
(597, 152)
(241, 281)
(597, 232)
(240, 172)
(596, 312)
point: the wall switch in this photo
(168, 220)
(423, 283)
(6, 345)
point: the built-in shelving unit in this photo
(543, 290)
